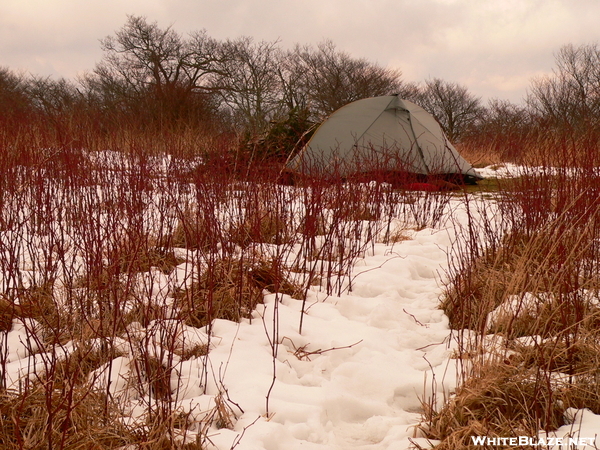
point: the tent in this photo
(381, 134)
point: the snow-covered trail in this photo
(354, 378)
(365, 358)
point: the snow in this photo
(583, 427)
(353, 378)
(365, 355)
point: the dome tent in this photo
(381, 134)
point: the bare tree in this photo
(14, 96)
(452, 105)
(571, 95)
(144, 63)
(54, 97)
(248, 82)
(327, 79)
(504, 129)
(504, 116)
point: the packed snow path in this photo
(355, 376)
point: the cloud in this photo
(492, 47)
(60, 37)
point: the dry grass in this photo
(535, 285)
(519, 393)
(481, 155)
(263, 226)
(33, 302)
(193, 231)
(42, 419)
(483, 285)
(499, 399)
(230, 289)
(551, 260)
(163, 259)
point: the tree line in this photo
(159, 79)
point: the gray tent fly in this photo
(381, 135)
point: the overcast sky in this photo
(493, 47)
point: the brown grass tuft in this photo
(264, 226)
(498, 400)
(41, 419)
(230, 289)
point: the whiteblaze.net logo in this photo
(561, 442)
